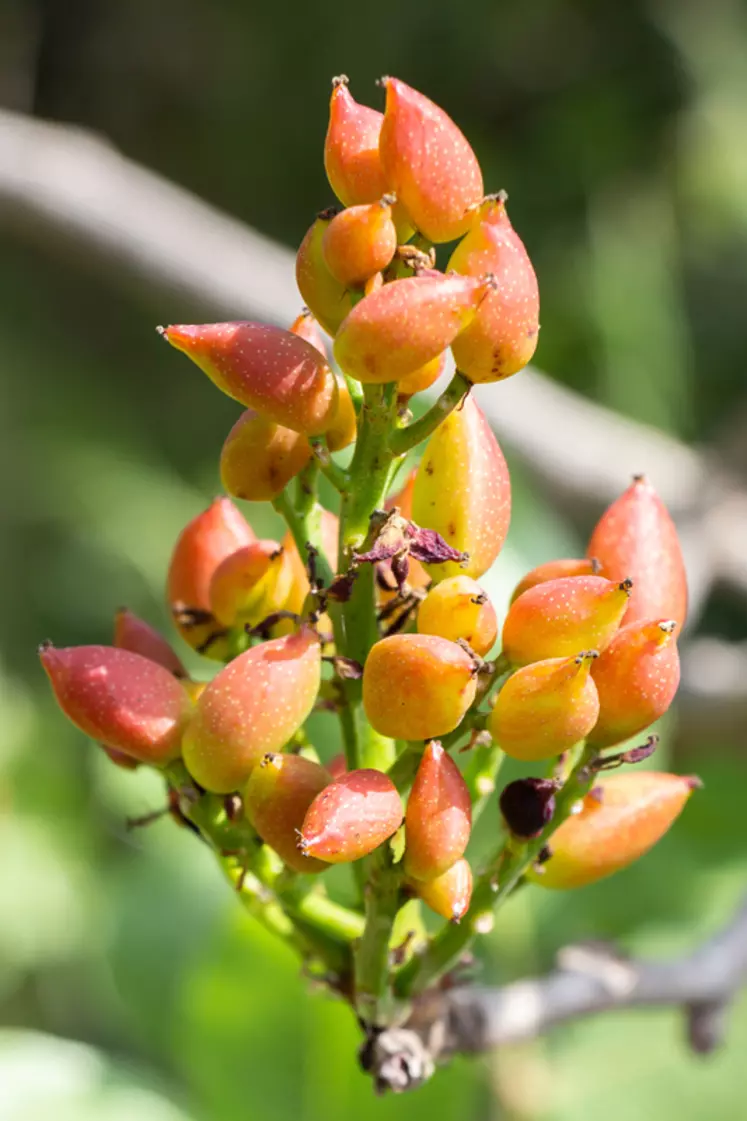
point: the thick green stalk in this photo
(492, 889)
(404, 440)
(480, 775)
(373, 997)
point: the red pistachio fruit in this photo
(201, 546)
(279, 792)
(133, 633)
(463, 491)
(502, 337)
(429, 163)
(448, 894)
(636, 678)
(637, 537)
(545, 708)
(265, 368)
(459, 608)
(554, 569)
(351, 148)
(438, 819)
(250, 708)
(124, 700)
(560, 617)
(417, 686)
(617, 824)
(351, 817)
(397, 329)
(306, 327)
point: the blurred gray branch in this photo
(65, 188)
(589, 979)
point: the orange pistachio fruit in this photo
(259, 458)
(438, 819)
(636, 678)
(397, 329)
(428, 163)
(545, 708)
(129, 703)
(251, 584)
(502, 337)
(351, 148)
(360, 241)
(417, 686)
(326, 297)
(459, 608)
(637, 537)
(351, 817)
(252, 707)
(560, 617)
(463, 491)
(554, 569)
(448, 894)
(279, 792)
(618, 822)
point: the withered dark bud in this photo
(341, 587)
(528, 805)
(346, 668)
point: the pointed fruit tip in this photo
(694, 782)
(340, 80)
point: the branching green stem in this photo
(405, 439)
(373, 997)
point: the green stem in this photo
(405, 439)
(480, 775)
(402, 771)
(492, 889)
(336, 475)
(372, 974)
(306, 528)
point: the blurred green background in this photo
(130, 984)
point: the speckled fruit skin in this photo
(637, 536)
(266, 368)
(201, 546)
(250, 708)
(502, 337)
(634, 811)
(417, 686)
(637, 678)
(428, 163)
(259, 458)
(351, 817)
(459, 608)
(399, 328)
(438, 819)
(448, 894)
(351, 148)
(124, 700)
(279, 792)
(326, 297)
(360, 242)
(463, 491)
(554, 569)
(251, 584)
(560, 617)
(134, 634)
(545, 708)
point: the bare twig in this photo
(589, 979)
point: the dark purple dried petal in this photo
(429, 547)
(528, 805)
